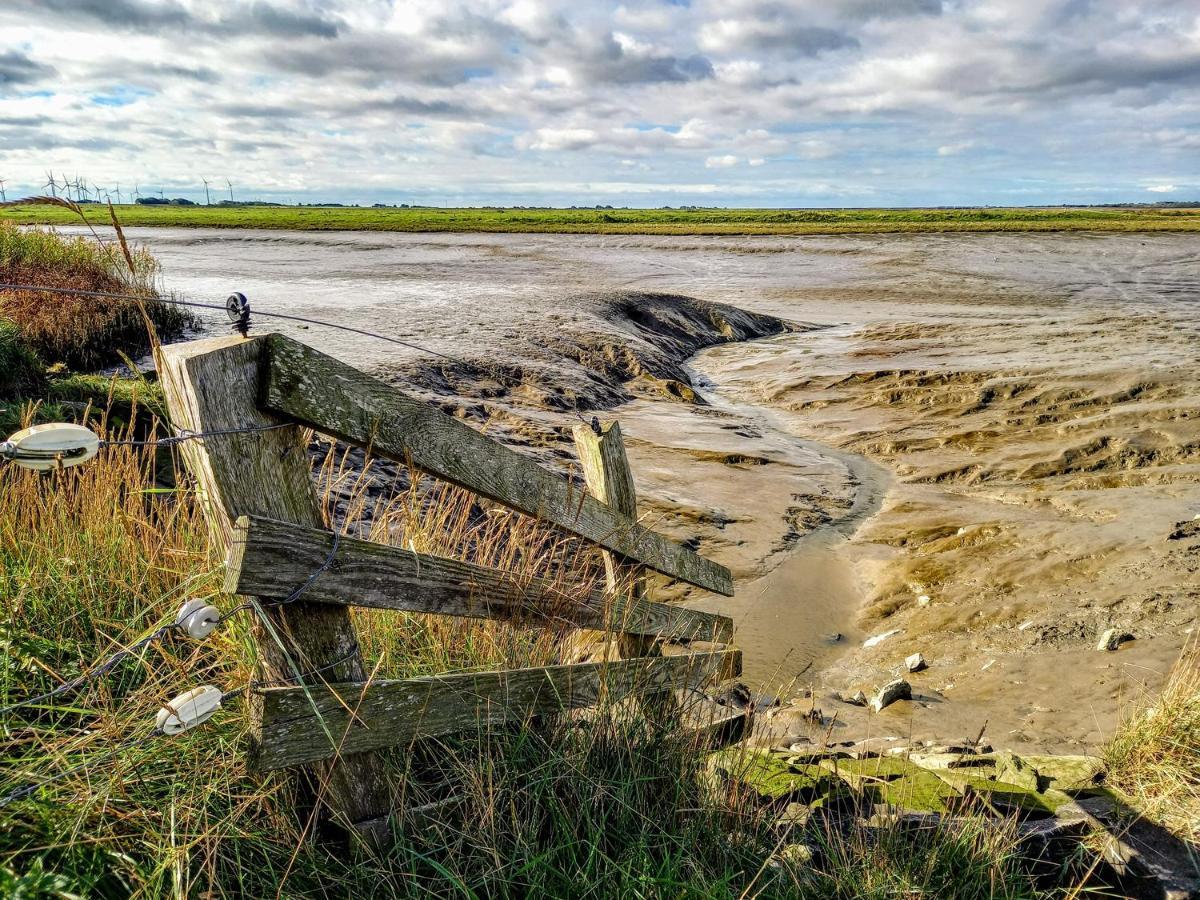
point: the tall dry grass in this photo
(1154, 758)
(82, 333)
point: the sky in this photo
(776, 103)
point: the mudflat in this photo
(986, 447)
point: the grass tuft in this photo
(82, 333)
(1154, 758)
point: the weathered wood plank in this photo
(337, 399)
(213, 385)
(606, 470)
(391, 713)
(271, 559)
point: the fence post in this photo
(610, 480)
(213, 385)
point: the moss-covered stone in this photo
(773, 778)
(895, 782)
(1068, 773)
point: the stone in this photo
(792, 855)
(915, 663)
(1068, 772)
(734, 694)
(835, 638)
(896, 783)
(939, 761)
(890, 693)
(1112, 639)
(794, 815)
(858, 698)
(773, 778)
(1012, 769)
(924, 600)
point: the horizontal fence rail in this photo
(270, 559)
(305, 385)
(313, 723)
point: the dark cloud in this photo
(374, 60)
(405, 105)
(605, 60)
(24, 139)
(250, 18)
(255, 111)
(888, 9)
(24, 121)
(152, 74)
(18, 68)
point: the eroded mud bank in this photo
(1021, 410)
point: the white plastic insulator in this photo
(197, 618)
(195, 707)
(55, 444)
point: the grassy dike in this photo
(97, 556)
(631, 221)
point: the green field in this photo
(631, 221)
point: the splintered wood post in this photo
(610, 480)
(213, 385)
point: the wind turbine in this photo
(230, 184)
(136, 193)
(118, 193)
(3, 196)
(207, 201)
(50, 184)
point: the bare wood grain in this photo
(337, 399)
(393, 713)
(601, 451)
(213, 385)
(271, 559)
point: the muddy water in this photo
(1005, 425)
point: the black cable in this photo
(22, 792)
(109, 664)
(196, 305)
(187, 435)
(98, 672)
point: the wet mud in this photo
(988, 445)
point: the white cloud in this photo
(334, 99)
(955, 149)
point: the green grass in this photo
(22, 374)
(636, 221)
(602, 806)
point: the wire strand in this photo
(25, 790)
(95, 673)
(79, 292)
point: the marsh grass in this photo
(1154, 758)
(712, 221)
(82, 333)
(604, 805)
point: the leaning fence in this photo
(261, 504)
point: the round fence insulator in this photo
(197, 619)
(49, 446)
(195, 707)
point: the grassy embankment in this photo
(95, 557)
(636, 221)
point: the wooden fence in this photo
(261, 503)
